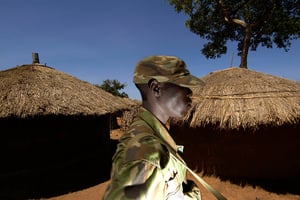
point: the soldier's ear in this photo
(150, 82)
(153, 84)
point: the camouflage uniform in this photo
(144, 166)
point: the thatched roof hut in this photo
(237, 98)
(55, 132)
(244, 126)
(31, 90)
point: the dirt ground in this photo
(229, 190)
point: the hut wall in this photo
(51, 155)
(268, 157)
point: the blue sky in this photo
(95, 40)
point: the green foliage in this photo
(113, 87)
(249, 22)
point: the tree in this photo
(249, 22)
(113, 87)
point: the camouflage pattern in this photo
(165, 69)
(143, 167)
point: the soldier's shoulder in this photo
(145, 147)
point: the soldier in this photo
(147, 164)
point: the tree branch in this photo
(227, 16)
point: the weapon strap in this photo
(217, 194)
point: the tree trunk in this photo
(246, 44)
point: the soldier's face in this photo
(175, 99)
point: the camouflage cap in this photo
(165, 69)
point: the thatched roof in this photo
(30, 90)
(241, 98)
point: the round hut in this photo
(244, 126)
(55, 132)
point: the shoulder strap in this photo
(217, 194)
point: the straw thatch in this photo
(241, 98)
(30, 90)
